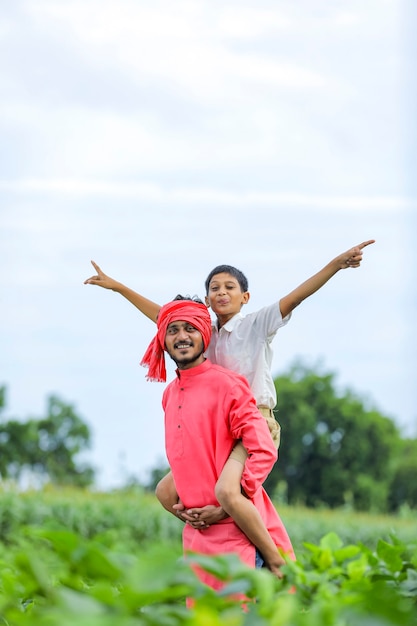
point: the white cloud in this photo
(138, 91)
(206, 195)
(267, 135)
(178, 43)
(248, 22)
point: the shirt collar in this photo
(231, 324)
(193, 371)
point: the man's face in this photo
(184, 344)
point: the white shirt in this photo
(243, 344)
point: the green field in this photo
(99, 559)
(135, 519)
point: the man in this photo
(207, 409)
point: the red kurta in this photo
(207, 408)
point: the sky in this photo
(161, 139)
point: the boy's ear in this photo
(245, 297)
(207, 302)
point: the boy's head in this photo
(226, 291)
(228, 269)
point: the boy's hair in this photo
(228, 269)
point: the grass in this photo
(128, 518)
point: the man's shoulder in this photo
(222, 373)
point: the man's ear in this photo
(207, 302)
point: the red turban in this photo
(178, 310)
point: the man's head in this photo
(226, 291)
(184, 331)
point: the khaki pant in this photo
(239, 452)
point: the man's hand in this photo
(200, 518)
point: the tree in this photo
(333, 449)
(47, 447)
(403, 487)
(155, 475)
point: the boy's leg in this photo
(273, 425)
(166, 492)
(245, 514)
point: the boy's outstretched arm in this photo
(147, 307)
(350, 258)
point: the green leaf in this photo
(391, 555)
(331, 541)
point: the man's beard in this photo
(187, 360)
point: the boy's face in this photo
(225, 296)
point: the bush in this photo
(62, 579)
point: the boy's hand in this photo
(353, 257)
(200, 518)
(101, 279)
